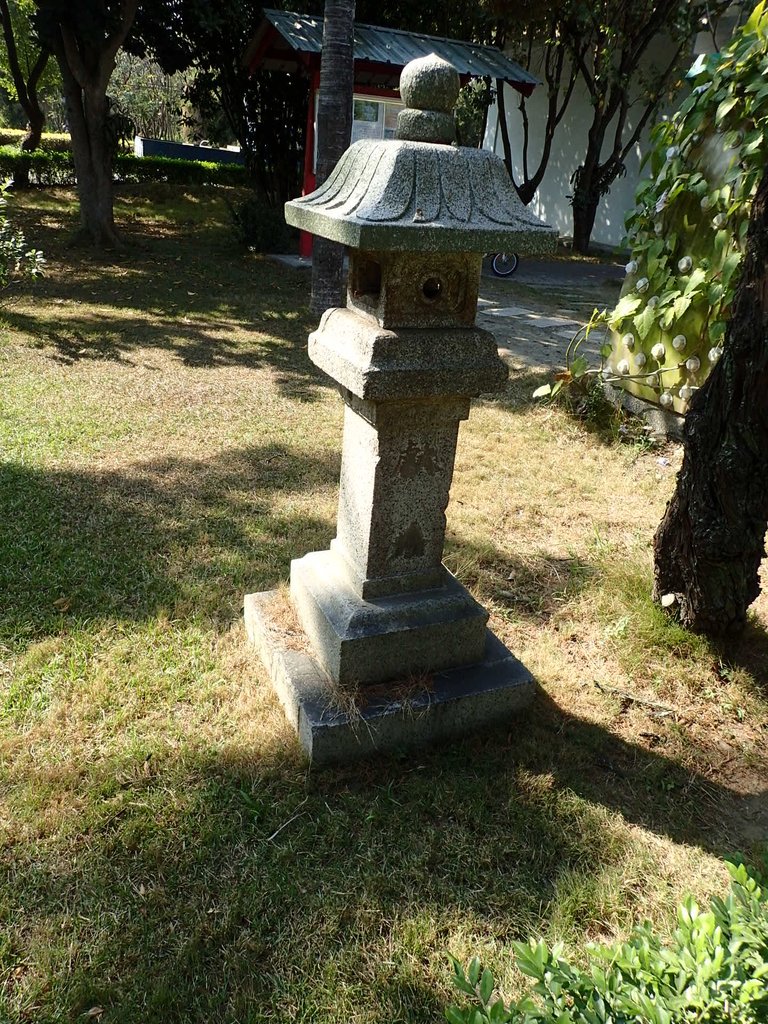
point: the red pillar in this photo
(305, 239)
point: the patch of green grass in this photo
(166, 854)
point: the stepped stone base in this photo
(339, 724)
(367, 641)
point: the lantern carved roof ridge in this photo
(419, 192)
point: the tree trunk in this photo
(87, 111)
(86, 59)
(501, 120)
(36, 123)
(31, 141)
(26, 92)
(334, 129)
(584, 212)
(711, 540)
(586, 192)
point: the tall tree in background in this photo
(334, 129)
(265, 112)
(149, 97)
(711, 541)
(610, 50)
(26, 61)
(618, 74)
(541, 49)
(85, 38)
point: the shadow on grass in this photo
(196, 296)
(748, 651)
(198, 886)
(534, 587)
(186, 536)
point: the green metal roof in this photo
(389, 46)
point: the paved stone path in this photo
(536, 313)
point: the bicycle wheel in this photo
(505, 263)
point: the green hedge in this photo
(44, 168)
(55, 168)
(177, 172)
(51, 142)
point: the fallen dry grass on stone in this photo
(165, 852)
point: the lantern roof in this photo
(418, 192)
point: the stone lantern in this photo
(398, 651)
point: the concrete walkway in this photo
(536, 312)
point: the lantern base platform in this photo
(337, 725)
(359, 641)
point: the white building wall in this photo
(568, 149)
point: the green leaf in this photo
(579, 367)
(680, 305)
(753, 22)
(543, 391)
(725, 107)
(454, 1016)
(473, 971)
(644, 322)
(626, 306)
(486, 986)
(717, 330)
(463, 986)
(695, 281)
(498, 1014)
(730, 265)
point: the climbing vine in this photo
(688, 228)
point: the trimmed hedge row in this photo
(57, 168)
(51, 142)
(178, 172)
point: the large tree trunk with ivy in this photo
(334, 129)
(711, 541)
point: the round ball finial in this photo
(430, 83)
(429, 86)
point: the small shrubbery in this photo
(57, 168)
(17, 260)
(39, 167)
(177, 172)
(259, 226)
(714, 969)
(51, 142)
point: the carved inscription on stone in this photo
(410, 543)
(418, 458)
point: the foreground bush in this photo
(17, 260)
(715, 969)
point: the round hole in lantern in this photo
(432, 288)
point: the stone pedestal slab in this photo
(359, 641)
(336, 727)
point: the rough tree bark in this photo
(334, 129)
(711, 540)
(86, 66)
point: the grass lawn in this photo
(166, 854)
